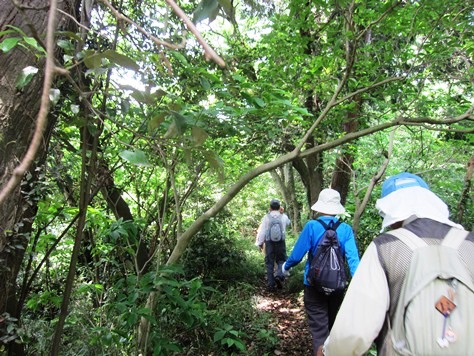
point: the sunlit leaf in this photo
(54, 95)
(25, 76)
(121, 60)
(66, 45)
(75, 109)
(9, 43)
(33, 43)
(137, 157)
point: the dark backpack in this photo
(275, 229)
(327, 269)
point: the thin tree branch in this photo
(120, 17)
(209, 52)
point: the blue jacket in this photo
(309, 239)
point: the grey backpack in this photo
(275, 231)
(435, 312)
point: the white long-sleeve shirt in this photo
(264, 226)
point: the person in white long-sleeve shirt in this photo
(275, 251)
(376, 286)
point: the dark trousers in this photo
(321, 310)
(275, 252)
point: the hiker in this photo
(271, 240)
(370, 309)
(320, 307)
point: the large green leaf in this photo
(121, 60)
(137, 157)
(9, 43)
(198, 135)
(207, 9)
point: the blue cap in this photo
(400, 181)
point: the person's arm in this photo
(363, 310)
(261, 232)
(351, 251)
(302, 246)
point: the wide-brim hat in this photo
(400, 181)
(329, 202)
(406, 196)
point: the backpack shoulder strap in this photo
(323, 223)
(331, 225)
(408, 238)
(336, 224)
(454, 238)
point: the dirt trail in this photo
(287, 308)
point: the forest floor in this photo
(288, 311)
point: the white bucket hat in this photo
(329, 202)
(405, 197)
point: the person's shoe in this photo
(279, 282)
(271, 288)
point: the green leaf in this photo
(93, 61)
(205, 10)
(198, 135)
(25, 76)
(219, 335)
(156, 121)
(259, 102)
(66, 45)
(17, 29)
(33, 43)
(180, 122)
(9, 43)
(227, 7)
(137, 157)
(121, 60)
(205, 83)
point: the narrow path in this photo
(288, 311)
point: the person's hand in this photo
(320, 351)
(282, 209)
(284, 271)
(260, 247)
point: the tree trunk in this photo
(18, 112)
(463, 201)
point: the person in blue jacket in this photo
(321, 309)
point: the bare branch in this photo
(120, 17)
(209, 52)
(375, 179)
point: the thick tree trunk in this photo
(18, 111)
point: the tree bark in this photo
(463, 201)
(18, 111)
